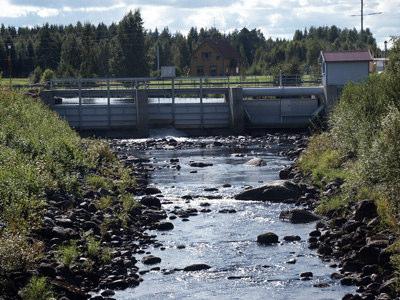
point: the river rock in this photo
(164, 226)
(150, 201)
(280, 191)
(64, 233)
(107, 293)
(298, 216)
(151, 190)
(365, 209)
(292, 238)
(257, 162)
(151, 260)
(200, 165)
(267, 238)
(196, 267)
(285, 173)
(306, 274)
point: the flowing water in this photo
(241, 269)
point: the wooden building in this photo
(215, 58)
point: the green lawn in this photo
(14, 81)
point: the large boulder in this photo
(298, 216)
(151, 260)
(365, 209)
(268, 238)
(257, 162)
(152, 190)
(150, 201)
(165, 226)
(280, 191)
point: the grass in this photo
(104, 202)
(14, 81)
(323, 161)
(41, 156)
(96, 182)
(37, 289)
(68, 254)
(93, 247)
(17, 253)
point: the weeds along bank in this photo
(361, 153)
(61, 200)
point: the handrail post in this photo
(173, 101)
(108, 104)
(80, 103)
(201, 104)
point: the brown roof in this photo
(346, 56)
(224, 48)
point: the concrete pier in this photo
(142, 113)
(236, 109)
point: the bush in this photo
(96, 181)
(47, 76)
(17, 254)
(381, 165)
(31, 165)
(37, 289)
(68, 254)
(322, 160)
(36, 75)
(93, 247)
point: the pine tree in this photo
(130, 35)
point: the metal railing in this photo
(185, 82)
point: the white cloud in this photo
(277, 18)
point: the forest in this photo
(127, 49)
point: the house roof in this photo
(346, 56)
(224, 48)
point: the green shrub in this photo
(68, 254)
(36, 75)
(96, 181)
(93, 247)
(129, 203)
(104, 202)
(37, 289)
(322, 160)
(106, 255)
(381, 165)
(17, 254)
(47, 76)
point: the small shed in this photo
(341, 67)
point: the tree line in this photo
(126, 49)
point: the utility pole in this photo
(9, 64)
(362, 15)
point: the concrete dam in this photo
(195, 107)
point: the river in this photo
(240, 268)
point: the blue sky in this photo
(278, 18)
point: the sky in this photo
(275, 18)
